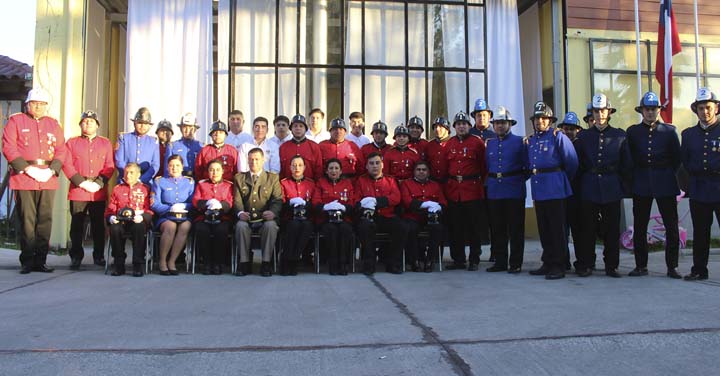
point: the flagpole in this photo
(697, 45)
(637, 52)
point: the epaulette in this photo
(190, 178)
(556, 131)
(157, 177)
(203, 180)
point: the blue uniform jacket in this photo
(506, 155)
(604, 162)
(168, 191)
(143, 150)
(551, 150)
(485, 134)
(188, 150)
(655, 159)
(700, 153)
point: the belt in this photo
(705, 173)
(38, 162)
(438, 180)
(500, 175)
(653, 165)
(603, 170)
(460, 178)
(536, 171)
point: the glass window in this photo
(684, 62)
(417, 48)
(254, 91)
(618, 56)
(684, 90)
(385, 97)
(621, 90)
(384, 33)
(287, 32)
(712, 55)
(446, 36)
(476, 37)
(447, 93)
(255, 32)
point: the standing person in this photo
(164, 133)
(482, 114)
(300, 145)
(588, 118)
(552, 163)
(281, 125)
(317, 131)
(378, 145)
(700, 153)
(34, 146)
(236, 137)
(357, 129)
(297, 194)
(334, 199)
(506, 159)
(171, 200)
(139, 147)
(188, 148)
(218, 150)
(213, 200)
(570, 126)
(260, 140)
(399, 161)
(655, 150)
(415, 127)
(604, 160)
(464, 191)
(89, 165)
(129, 211)
(377, 196)
(345, 151)
(257, 202)
(436, 149)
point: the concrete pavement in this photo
(448, 323)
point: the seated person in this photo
(333, 199)
(257, 201)
(297, 192)
(171, 200)
(129, 210)
(423, 200)
(213, 199)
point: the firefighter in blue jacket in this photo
(604, 160)
(139, 147)
(552, 163)
(700, 153)
(187, 147)
(655, 150)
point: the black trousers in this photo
(367, 233)
(508, 216)
(423, 249)
(465, 227)
(551, 225)
(338, 240)
(573, 224)
(702, 219)
(610, 226)
(484, 222)
(214, 238)
(79, 210)
(641, 213)
(34, 210)
(297, 236)
(136, 232)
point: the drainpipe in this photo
(558, 78)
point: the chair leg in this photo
(317, 253)
(107, 255)
(233, 255)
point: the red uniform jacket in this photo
(88, 160)
(136, 197)
(292, 188)
(349, 154)
(309, 150)
(226, 153)
(414, 193)
(399, 162)
(327, 191)
(371, 148)
(420, 146)
(438, 160)
(385, 190)
(466, 168)
(26, 140)
(205, 190)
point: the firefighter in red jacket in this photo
(89, 165)
(377, 196)
(297, 193)
(415, 126)
(423, 200)
(34, 146)
(300, 145)
(400, 159)
(379, 134)
(353, 162)
(218, 150)
(464, 191)
(436, 150)
(129, 210)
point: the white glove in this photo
(213, 204)
(138, 219)
(179, 207)
(94, 187)
(33, 172)
(368, 203)
(334, 205)
(113, 220)
(86, 185)
(297, 201)
(44, 174)
(425, 205)
(435, 207)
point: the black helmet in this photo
(299, 119)
(379, 126)
(143, 116)
(588, 113)
(401, 130)
(89, 114)
(441, 121)
(218, 125)
(416, 121)
(543, 110)
(461, 117)
(338, 123)
(164, 124)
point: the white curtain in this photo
(530, 47)
(169, 65)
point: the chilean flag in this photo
(668, 46)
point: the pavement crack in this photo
(35, 282)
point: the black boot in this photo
(265, 269)
(292, 268)
(245, 268)
(138, 270)
(119, 267)
(284, 267)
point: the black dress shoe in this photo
(672, 273)
(393, 269)
(369, 270)
(492, 258)
(555, 274)
(218, 270)
(691, 277)
(456, 266)
(119, 269)
(514, 270)
(164, 272)
(638, 272)
(75, 263)
(429, 266)
(44, 268)
(99, 261)
(496, 268)
(265, 269)
(244, 269)
(25, 269)
(416, 267)
(612, 273)
(586, 272)
(542, 270)
(341, 271)
(472, 267)
(137, 270)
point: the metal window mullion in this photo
(231, 55)
(407, 58)
(297, 57)
(277, 55)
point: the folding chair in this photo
(149, 250)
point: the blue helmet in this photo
(481, 105)
(571, 118)
(649, 99)
(588, 113)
